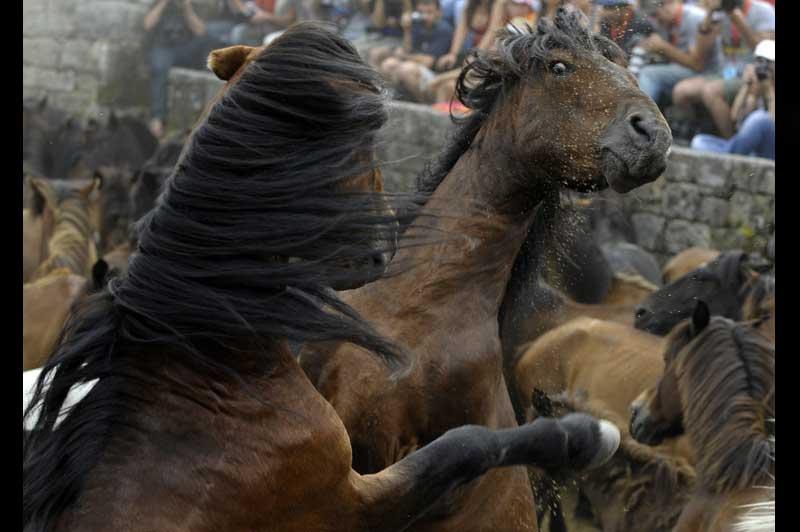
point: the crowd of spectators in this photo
(709, 64)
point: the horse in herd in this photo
(387, 361)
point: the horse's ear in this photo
(542, 403)
(700, 318)
(225, 62)
(43, 195)
(95, 184)
(99, 274)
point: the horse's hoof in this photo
(591, 442)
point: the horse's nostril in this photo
(642, 130)
(640, 313)
(379, 260)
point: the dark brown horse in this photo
(725, 284)
(506, 161)
(200, 417)
(718, 387)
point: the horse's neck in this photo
(71, 245)
(480, 228)
(627, 292)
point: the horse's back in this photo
(46, 303)
(609, 361)
(31, 243)
(687, 261)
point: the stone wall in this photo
(702, 199)
(86, 56)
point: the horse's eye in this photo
(558, 68)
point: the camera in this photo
(730, 5)
(762, 70)
(416, 16)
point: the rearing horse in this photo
(552, 108)
(200, 418)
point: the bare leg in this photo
(714, 100)
(378, 55)
(389, 68)
(409, 75)
(688, 92)
(402, 493)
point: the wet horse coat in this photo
(191, 346)
(445, 309)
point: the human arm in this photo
(195, 23)
(154, 15)
(496, 21)
(695, 58)
(751, 35)
(745, 101)
(406, 23)
(449, 59)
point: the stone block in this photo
(112, 20)
(740, 211)
(713, 211)
(649, 230)
(766, 185)
(680, 234)
(40, 52)
(680, 201)
(80, 55)
(712, 172)
(53, 80)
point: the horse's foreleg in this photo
(396, 497)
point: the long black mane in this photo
(250, 231)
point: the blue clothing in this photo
(453, 10)
(755, 137)
(433, 41)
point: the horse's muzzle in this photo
(635, 149)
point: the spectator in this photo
(622, 22)
(756, 103)
(516, 12)
(264, 17)
(177, 37)
(452, 11)
(386, 15)
(679, 41)
(742, 24)
(227, 14)
(426, 37)
(471, 32)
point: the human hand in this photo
(749, 74)
(406, 21)
(447, 61)
(653, 43)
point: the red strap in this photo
(735, 36)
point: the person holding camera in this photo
(677, 39)
(741, 24)
(753, 109)
(426, 37)
(176, 37)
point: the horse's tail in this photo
(64, 433)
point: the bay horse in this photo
(687, 261)
(717, 388)
(191, 347)
(725, 284)
(505, 161)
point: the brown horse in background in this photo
(687, 261)
(640, 488)
(59, 231)
(718, 388)
(507, 161)
(192, 346)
